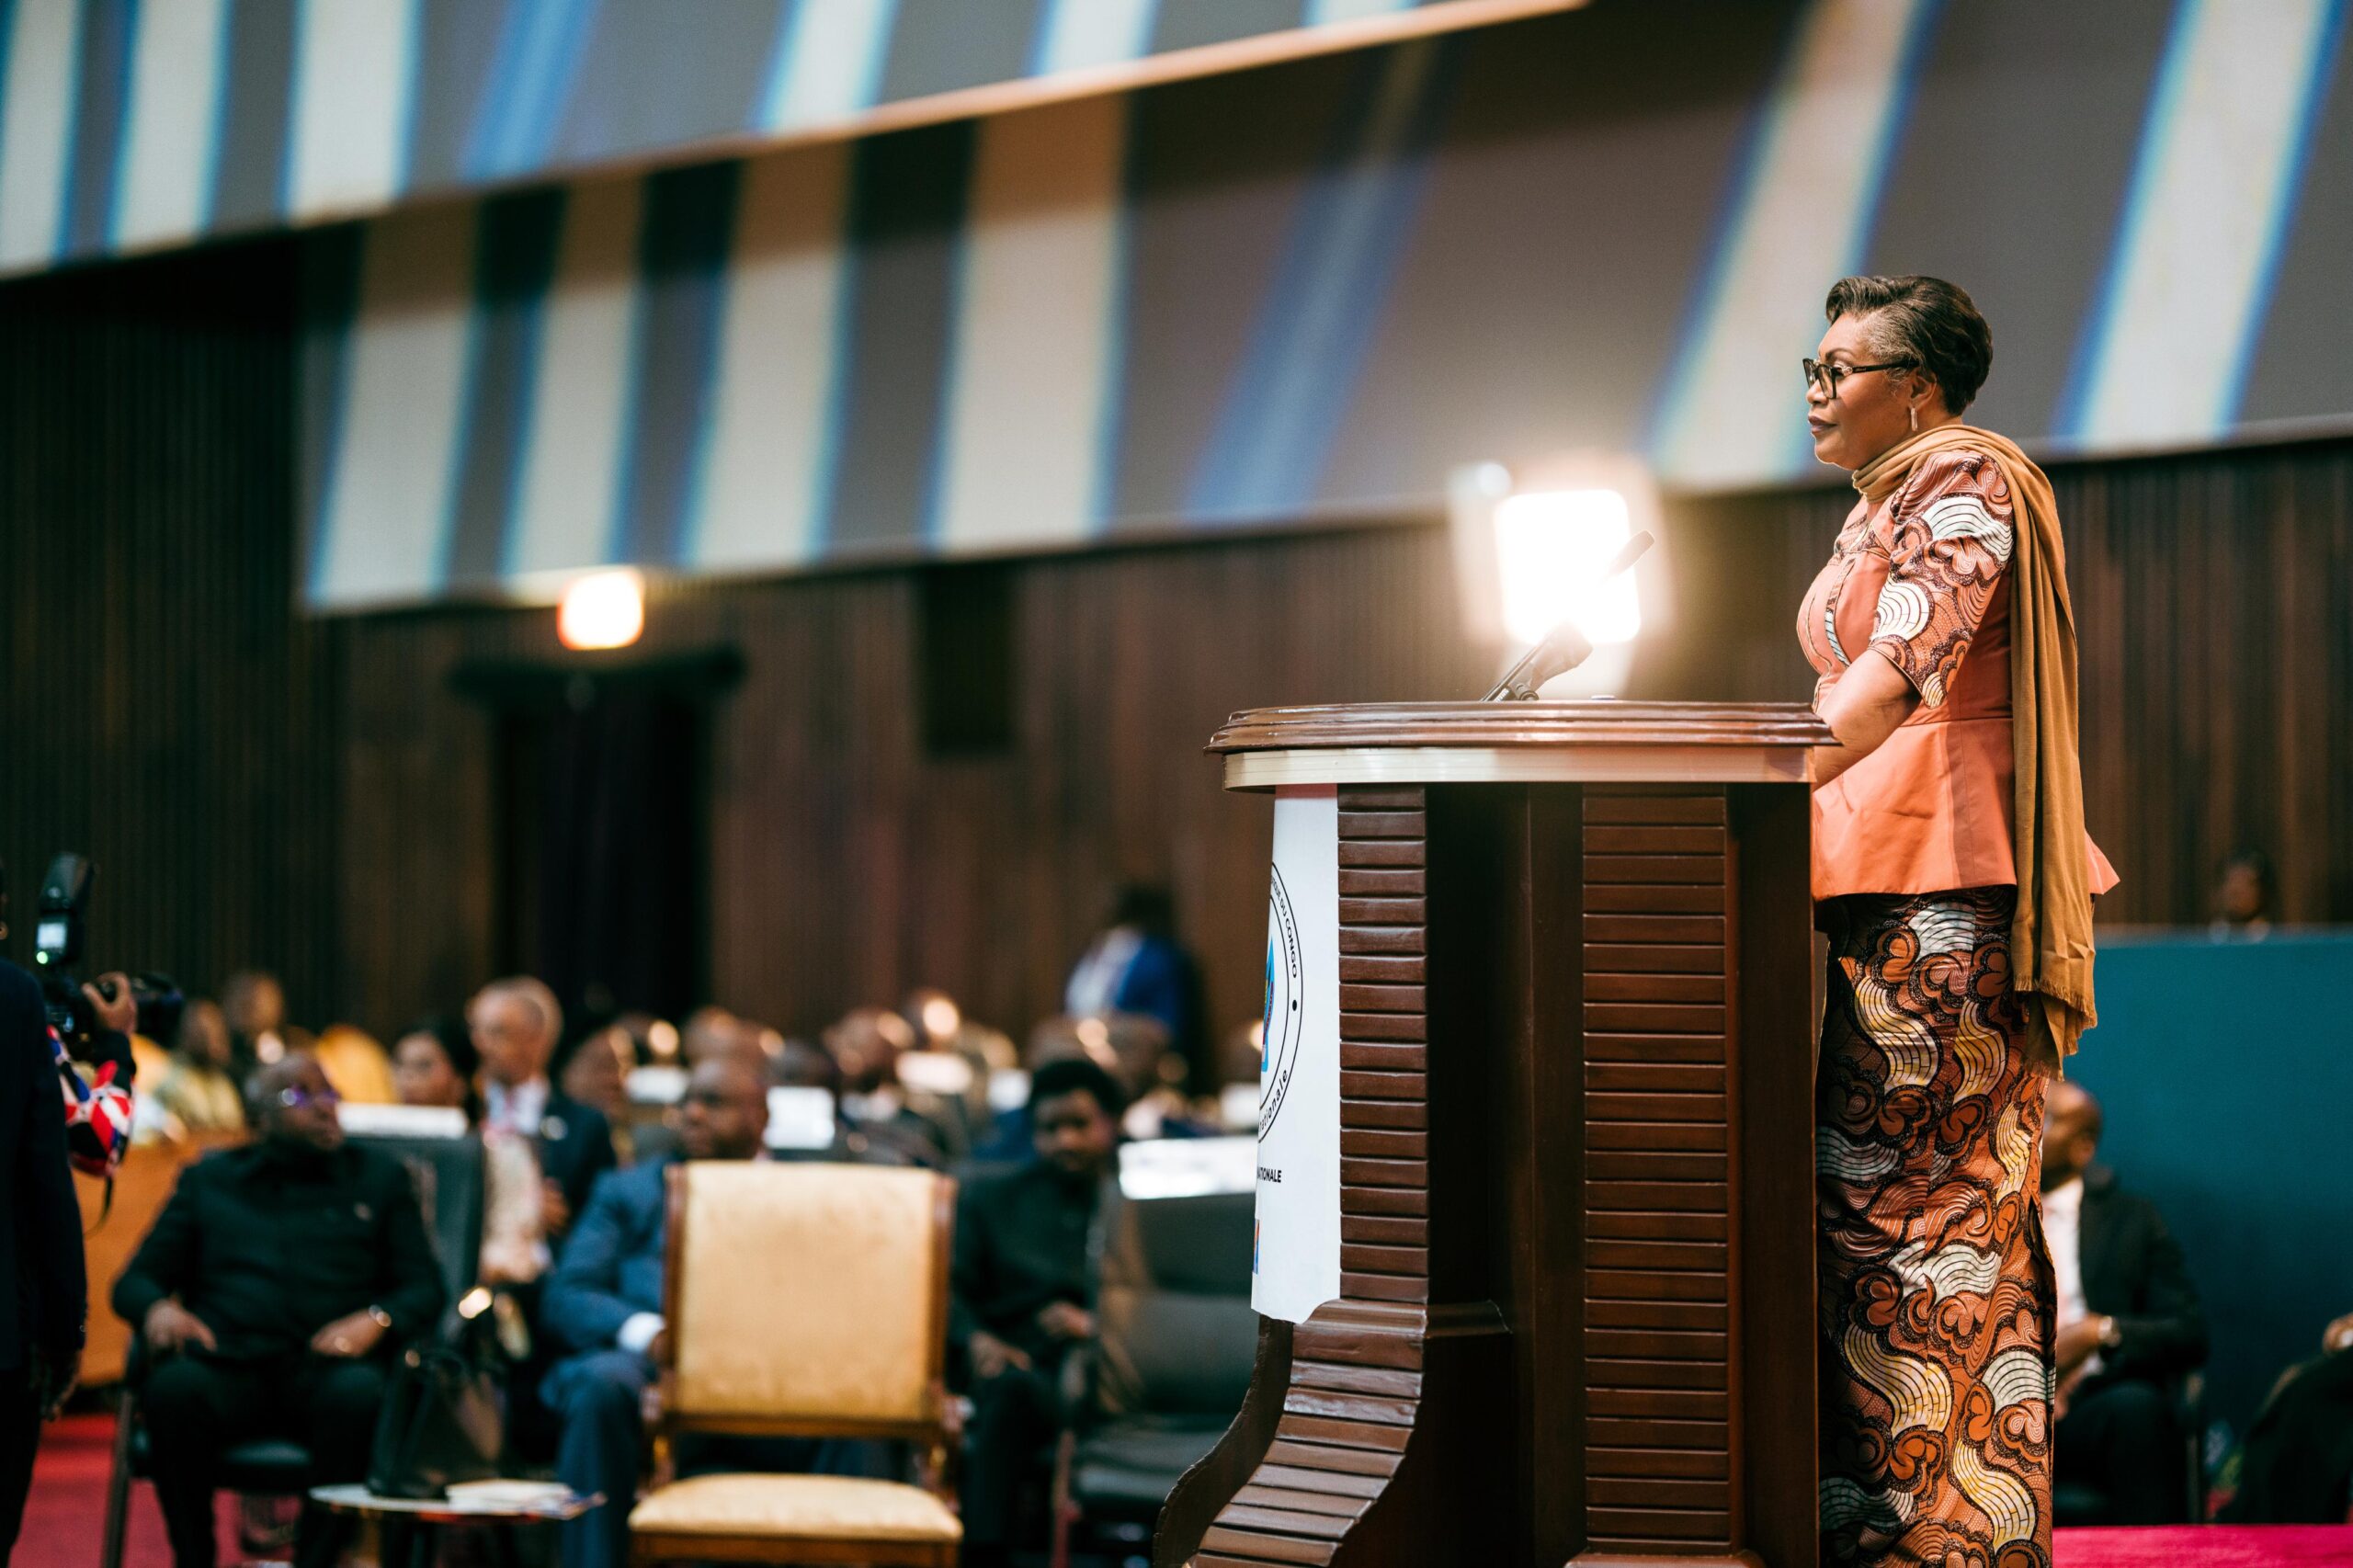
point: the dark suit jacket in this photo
(611, 1266)
(267, 1244)
(43, 1290)
(2133, 1272)
(576, 1148)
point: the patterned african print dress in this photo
(1937, 1295)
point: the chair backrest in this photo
(807, 1296)
(1177, 1333)
(449, 1176)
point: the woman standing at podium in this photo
(1953, 875)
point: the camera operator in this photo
(43, 1305)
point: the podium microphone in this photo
(1564, 648)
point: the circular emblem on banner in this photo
(1286, 983)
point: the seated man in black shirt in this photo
(271, 1292)
(1022, 1289)
(2128, 1325)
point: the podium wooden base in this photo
(1576, 1311)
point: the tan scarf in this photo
(2050, 935)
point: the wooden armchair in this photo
(805, 1301)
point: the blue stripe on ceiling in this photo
(514, 268)
(2283, 210)
(1111, 423)
(1715, 266)
(2165, 359)
(456, 49)
(1917, 41)
(690, 230)
(1292, 391)
(257, 100)
(7, 45)
(101, 105)
(827, 63)
(330, 307)
(540, 51)
(906, 207)
(1735, 414)
(1074, 35)
(2165, 99)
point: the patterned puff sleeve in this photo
(1948, 542)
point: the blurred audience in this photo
(1023, 1290)
(2296, 1467)
(1136, 965)
(2244, 899)
(254, 1004)
(865, 1044)
(516, 1024)
(433, 1064)
(594, 1072)
(271, 1294)
(604, 1306)
(709, 1031)
(356, 1064)
(2129, 1324)
(198, 1091)
(1133, 1050)
(944, 1034)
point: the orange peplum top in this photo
(1923, 577)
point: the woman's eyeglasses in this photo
(1828, 376)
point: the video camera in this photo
(58, 927)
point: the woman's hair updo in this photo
(1924, 321)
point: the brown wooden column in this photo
(1358, 1461)
(1656, 1193)
(1576, 1311)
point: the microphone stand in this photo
(1564, 648)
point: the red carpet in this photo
(66, 1518)
(63, 1522)
(2206, 1546)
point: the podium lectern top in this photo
(1519, 743)
(1563, 973)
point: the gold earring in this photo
(1915, 412)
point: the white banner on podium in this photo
(1295, 1258)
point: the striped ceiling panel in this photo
(1314, 288)
(140, 124)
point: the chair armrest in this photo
(1074, 1387)
(936, 1462)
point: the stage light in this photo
(1531, 552)
(602, 609)
(662, 1039)
(941, 1019)
(1551, 546)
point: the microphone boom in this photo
(1565, 647)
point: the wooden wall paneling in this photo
(2214, 595)
(1658, 1195)
(847, 866)
(1771, 964)
(1549, 1249)
(165, 710)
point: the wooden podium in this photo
(1576, 1319)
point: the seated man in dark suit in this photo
(516, 1024)
(2298, 1465)
(604, 1304)
(271, 1292)
(1023, 1290)
(2129, 1324)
